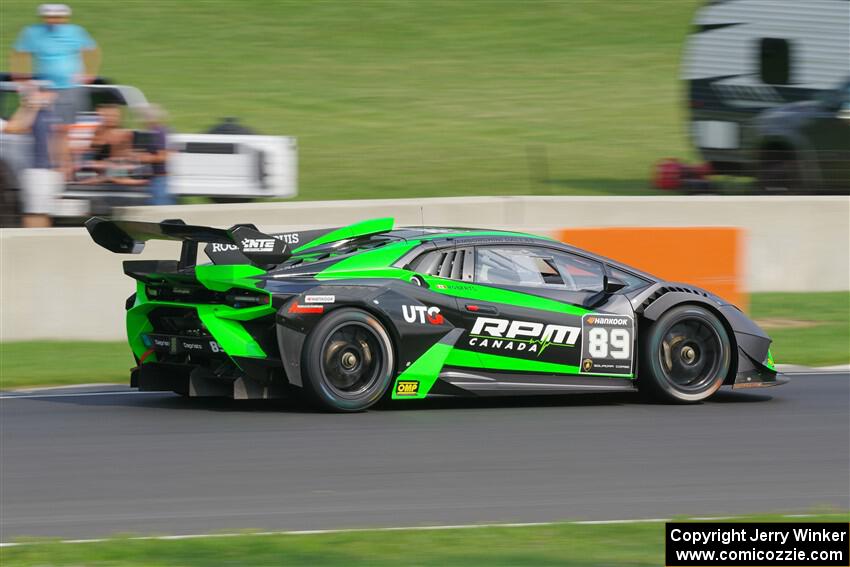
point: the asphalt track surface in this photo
(83, 463)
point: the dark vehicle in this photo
(746, 57)
(355, 314)
(805, 144)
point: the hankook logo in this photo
(608, 321)
(527, 336)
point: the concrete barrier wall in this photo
(57, 284)
(792, 243)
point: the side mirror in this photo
(611, 284)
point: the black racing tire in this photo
(348, 361)
(779, 173)
(685, 356)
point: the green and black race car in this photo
(355, 314)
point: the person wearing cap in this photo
(60, 52)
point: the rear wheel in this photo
(685, 357)
(779, 172)
(348, 361)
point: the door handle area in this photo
(479, 308)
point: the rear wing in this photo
(240, 244)
(129, 237)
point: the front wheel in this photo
(686, 356)
(348, 361)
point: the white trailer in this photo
(747, 56)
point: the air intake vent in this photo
(451, 265)
(447, 264)
(668, 289)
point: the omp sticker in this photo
(407, 387)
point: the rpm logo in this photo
(258, 245)
(421, 314)
(527, 336)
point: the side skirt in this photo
(462, 381)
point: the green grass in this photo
(57, 363)
(560, 544)
(406, 99)
(827, 342)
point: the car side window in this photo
(581, 274)
(537, 267)
(451, 263)
(632, 281)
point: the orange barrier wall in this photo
(708, 257)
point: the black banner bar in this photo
(753, 544)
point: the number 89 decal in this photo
(607, 344)
(603, 343)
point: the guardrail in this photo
(57, 284)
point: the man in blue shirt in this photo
(59, 52)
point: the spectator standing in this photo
(40, 183)
(60, 52)
(157, 155)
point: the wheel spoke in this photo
(689, 354)
(349, 361)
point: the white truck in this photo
(221, 167)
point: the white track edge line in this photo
(76, 395)
(389, 529)
(65, 387)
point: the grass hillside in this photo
(407, 99)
